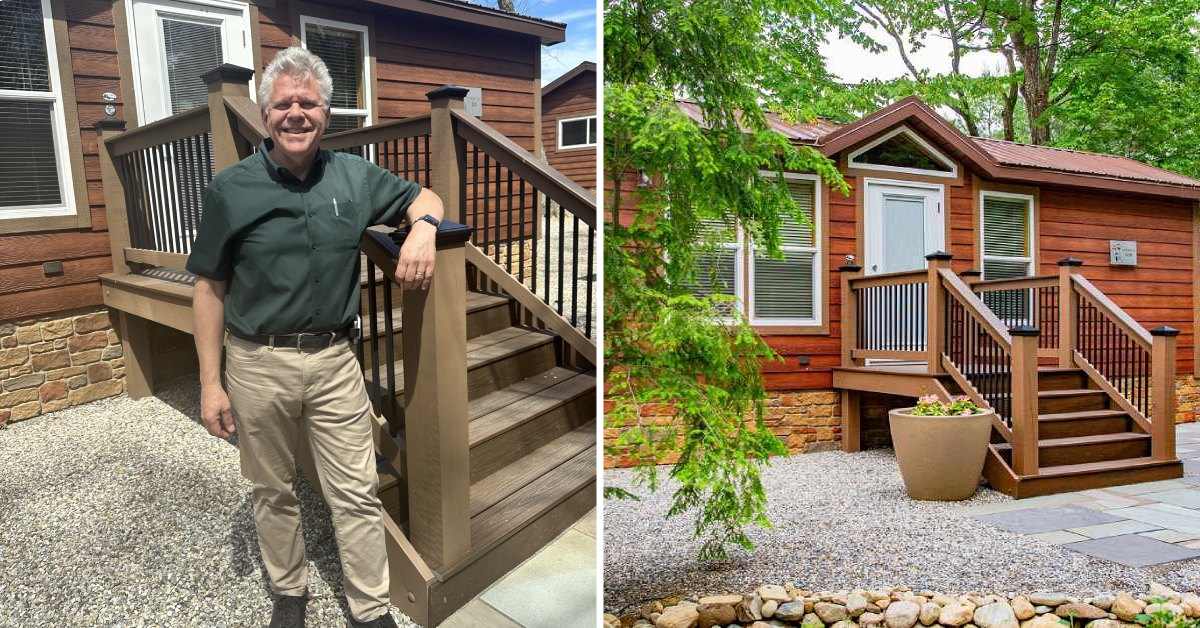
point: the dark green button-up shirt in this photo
(289, 248)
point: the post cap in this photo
(112, 124)
(971, 272)
(939, 255)
(849, 268)
(453, 92)
(1164, 330)
(228, 73)
(1024, 330)
(1070, 261)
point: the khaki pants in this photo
(280, 395)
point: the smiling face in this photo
(296, 117)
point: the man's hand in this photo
(414, 268)
(215, 411)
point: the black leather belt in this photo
(302, 340)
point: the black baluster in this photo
(562, 221)
(575, 272)
(591, 253)
(521, 248)
(487, 200)
(508, 216)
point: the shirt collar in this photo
(280, 173)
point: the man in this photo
(277, 264)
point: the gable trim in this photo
(920, 141)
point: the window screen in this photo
(581, 132)
(344, 53)
(787, 289)
(192, 50)
(30, 111)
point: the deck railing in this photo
(1025, 302)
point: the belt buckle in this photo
(300, 336)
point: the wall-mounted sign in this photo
(1122, 252)
(473, 101)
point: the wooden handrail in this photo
(889, 279)
(376, 133)
(962, 293)
(186, 124)
(1043, 281)
(248, 117)
(568, 194)
(1136, 332)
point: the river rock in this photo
(1169, 607)
(791, 611)
(1191, 604)
(768, 608)
(929, 613)
(1101, 601)
(678, 617)
(902, 614)
(956, 614)
(1159, 590)
(775, 592)
(1022, 608)
(1046, 598)
(730, 599)
(810, 620)
(856, 604)
(829, 612)
(1047, 620)
(715, 615)
(870, 619)
(996, 615)
(1105, 623)
(1126, 607)
(611, 621)
(845, 623)
(942, 600)
(1080, 610)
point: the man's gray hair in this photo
(299, 64)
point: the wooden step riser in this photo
(1077, 403)
(480, 322)
(1083, 427)
(1035, 487)
(1096, 452)
(493, 454)
(1061, 381)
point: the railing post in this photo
(935, 300)
(1024, 367)
(229, 147)
(849, 313)
(1162, 397)
(1068, 309)
(114, 196)
(446, 150)
(971, 276)
(435, 405)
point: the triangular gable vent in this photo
(902, 150)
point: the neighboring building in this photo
(70, 60)
(569, 131)
(918, 186)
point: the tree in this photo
(736, 59)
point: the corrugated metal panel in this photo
(1064, 160)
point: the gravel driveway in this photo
(127, 512)
(843, 521)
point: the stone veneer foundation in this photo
(811, 420)
(54, 362)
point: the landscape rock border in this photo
(781, 606)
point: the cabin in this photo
(117, 113)
(1055, 286)
(569, 128)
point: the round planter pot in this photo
(941, 457)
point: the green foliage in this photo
(930, 405)
(1166, 619)
(735, 60)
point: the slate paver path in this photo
(1136, 525)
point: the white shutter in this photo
(192, 50)
(787, 290)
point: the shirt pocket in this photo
(347, 223)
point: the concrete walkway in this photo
(1136, 525)
(555, 588)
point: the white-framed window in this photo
(344, 47)
(35, 169)
(903, 150)
(1006, 234)
(788, 291)
(770, 291)
(577, 132)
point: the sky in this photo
(580, 18)
(851, 63)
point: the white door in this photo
(905, 222)
(176, 42)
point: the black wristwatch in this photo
(430, 219)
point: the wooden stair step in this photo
(499, 485)
(520, 410)
(1060, 478)
(1128, 464)
(1094, 439)
(518, 391)
(509, 515)
(1058, 369)
(1083, 423)
(1070, 392)
(476, 302)
(1081, 414)
(481, 350)
(1090, 448)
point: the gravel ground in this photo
(843, 521)
(129, 513)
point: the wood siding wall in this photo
(575, 99)
(415, 54)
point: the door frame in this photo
(240, 6)
(870, 214)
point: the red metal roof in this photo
(1067, 160)
(806, 132)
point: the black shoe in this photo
(383, 621)
(289, 611)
